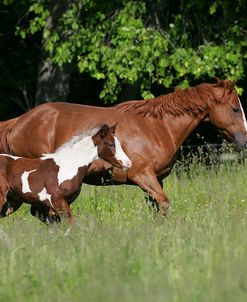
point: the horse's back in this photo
(46, 127)
(5, 129)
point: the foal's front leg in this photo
(44, 213)
(61, 207)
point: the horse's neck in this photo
(181, 127)
(80, 154)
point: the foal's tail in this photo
(5, 129)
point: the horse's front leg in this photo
(149, 183)
(150, 200)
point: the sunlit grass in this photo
(120, 251)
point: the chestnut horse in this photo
(55, 179)
(150, 131)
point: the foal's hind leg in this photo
(152, 186)
(8, 205)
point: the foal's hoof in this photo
(9, 211)
(164, 211)
(53, 219)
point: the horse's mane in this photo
(5, 129)
(191, 101)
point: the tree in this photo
(140, 44)
(53, 79)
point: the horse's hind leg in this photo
(153, 187)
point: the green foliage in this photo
(128, 42)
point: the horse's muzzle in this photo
(240, 140)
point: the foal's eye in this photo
(111, 145)
(236, 109)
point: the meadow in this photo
(119, 250)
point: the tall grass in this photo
(119, 250)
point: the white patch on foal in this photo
(25, 183)
(11, 156)
(243, 115)
(44, 195)
(69, 159)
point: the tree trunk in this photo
(53, 81)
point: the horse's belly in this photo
(164, 173)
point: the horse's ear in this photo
(219, 82)
(232, 84)
(113, 128)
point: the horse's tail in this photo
(5, 129)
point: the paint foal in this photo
(55, 179)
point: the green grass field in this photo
(120, 251)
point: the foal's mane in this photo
(75, 139)
(191, 101)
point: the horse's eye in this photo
(236, 109)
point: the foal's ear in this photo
(104, 130)
(113, 128)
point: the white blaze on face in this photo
(25, 183)
(243, 115)
(121, 155)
